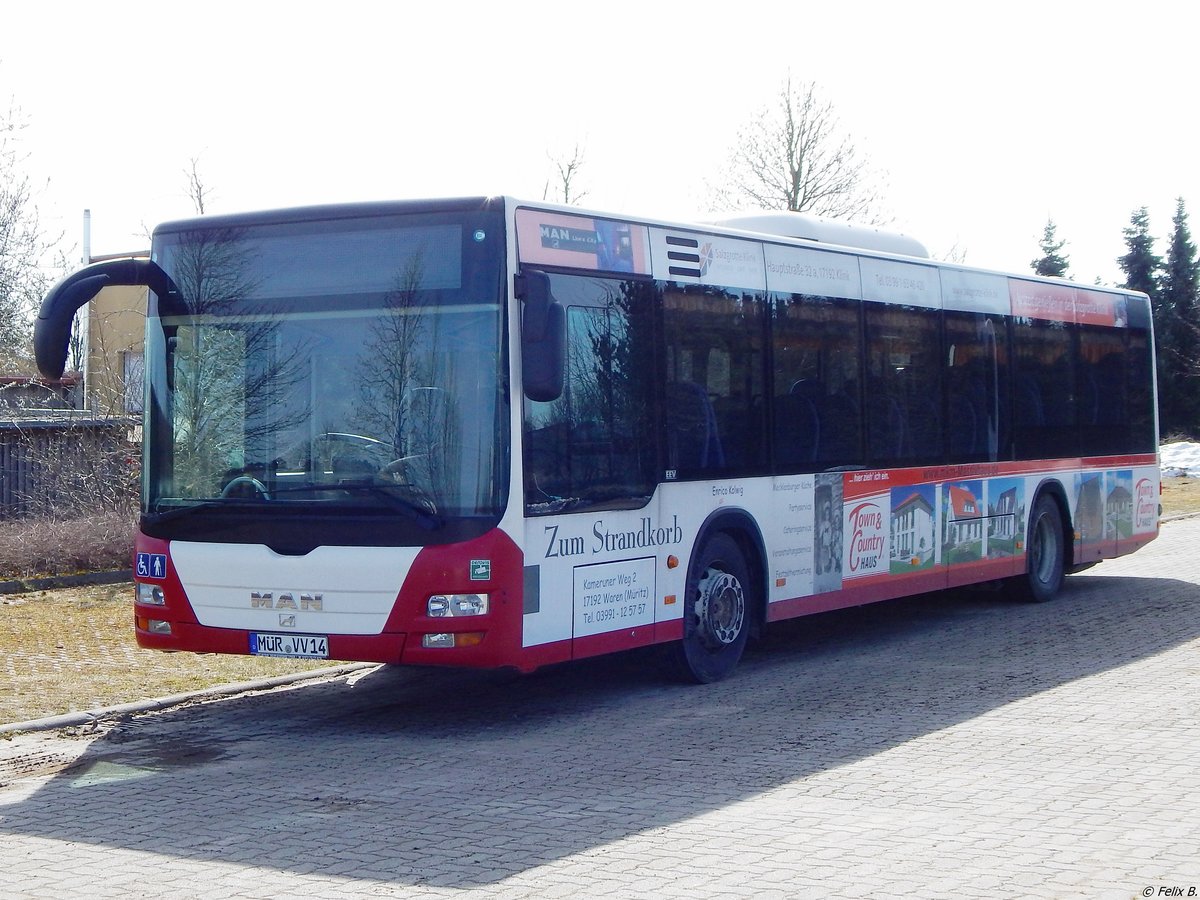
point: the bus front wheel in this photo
(1045, 554)
(716, 614)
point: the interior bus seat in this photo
(1110, 382)
(797, 429)
(962, 429)
(839, 414)
(741, 427)
(1060, 403)
(692, 439)
(814, 392)
(1030, 409)
(887, 428)
(1088, 399)
(897, 429)
(982, 402)
(922, 427)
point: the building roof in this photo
(914, 500)
(963, 504)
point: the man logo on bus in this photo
(287, 600)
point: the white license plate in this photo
(305, 646)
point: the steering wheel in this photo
(399, 474)
(233, 488)
(396, 469)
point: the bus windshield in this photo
(326, 369)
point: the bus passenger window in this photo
(977, 391)
(715, 419)
(904, 417)
(1100, 388)
(1044, 398)
(817, 352)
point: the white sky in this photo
(988, 118)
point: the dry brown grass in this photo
(1180, 496)
(73, 649)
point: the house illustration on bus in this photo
(964, 522)
(1089, 507)
(912, 528)
(1006, 517)
(1118, 507)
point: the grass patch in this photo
(1180, 496)
(73, 649)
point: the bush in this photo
(35, 547)
(66, 468)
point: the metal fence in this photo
(63, 465)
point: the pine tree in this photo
(1180, 407)
(1180, 281)
(1052, 262)
(1143, 268)
(1141, 265)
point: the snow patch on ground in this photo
(1181, 458)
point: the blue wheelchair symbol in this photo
(152, 565)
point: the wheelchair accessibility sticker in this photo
(152, 565)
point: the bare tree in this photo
(23, 247)
(198, 191)
(956, 253)
(794, 155)
(566, 189)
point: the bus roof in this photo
(825, 231)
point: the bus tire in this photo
(717, 612)
(1045, 554)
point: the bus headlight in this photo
(151, 594)
(442, 606)
(154, 626)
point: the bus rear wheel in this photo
(716, 613)
(1045, 554)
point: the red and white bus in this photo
(485, 432)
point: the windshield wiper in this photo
(422, 511)
(177, 512)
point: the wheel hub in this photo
(1042, 561)
(720, 609)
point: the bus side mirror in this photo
(52, 329)
(543, 338)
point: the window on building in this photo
(133, 376)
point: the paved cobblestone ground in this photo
(943, 746)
